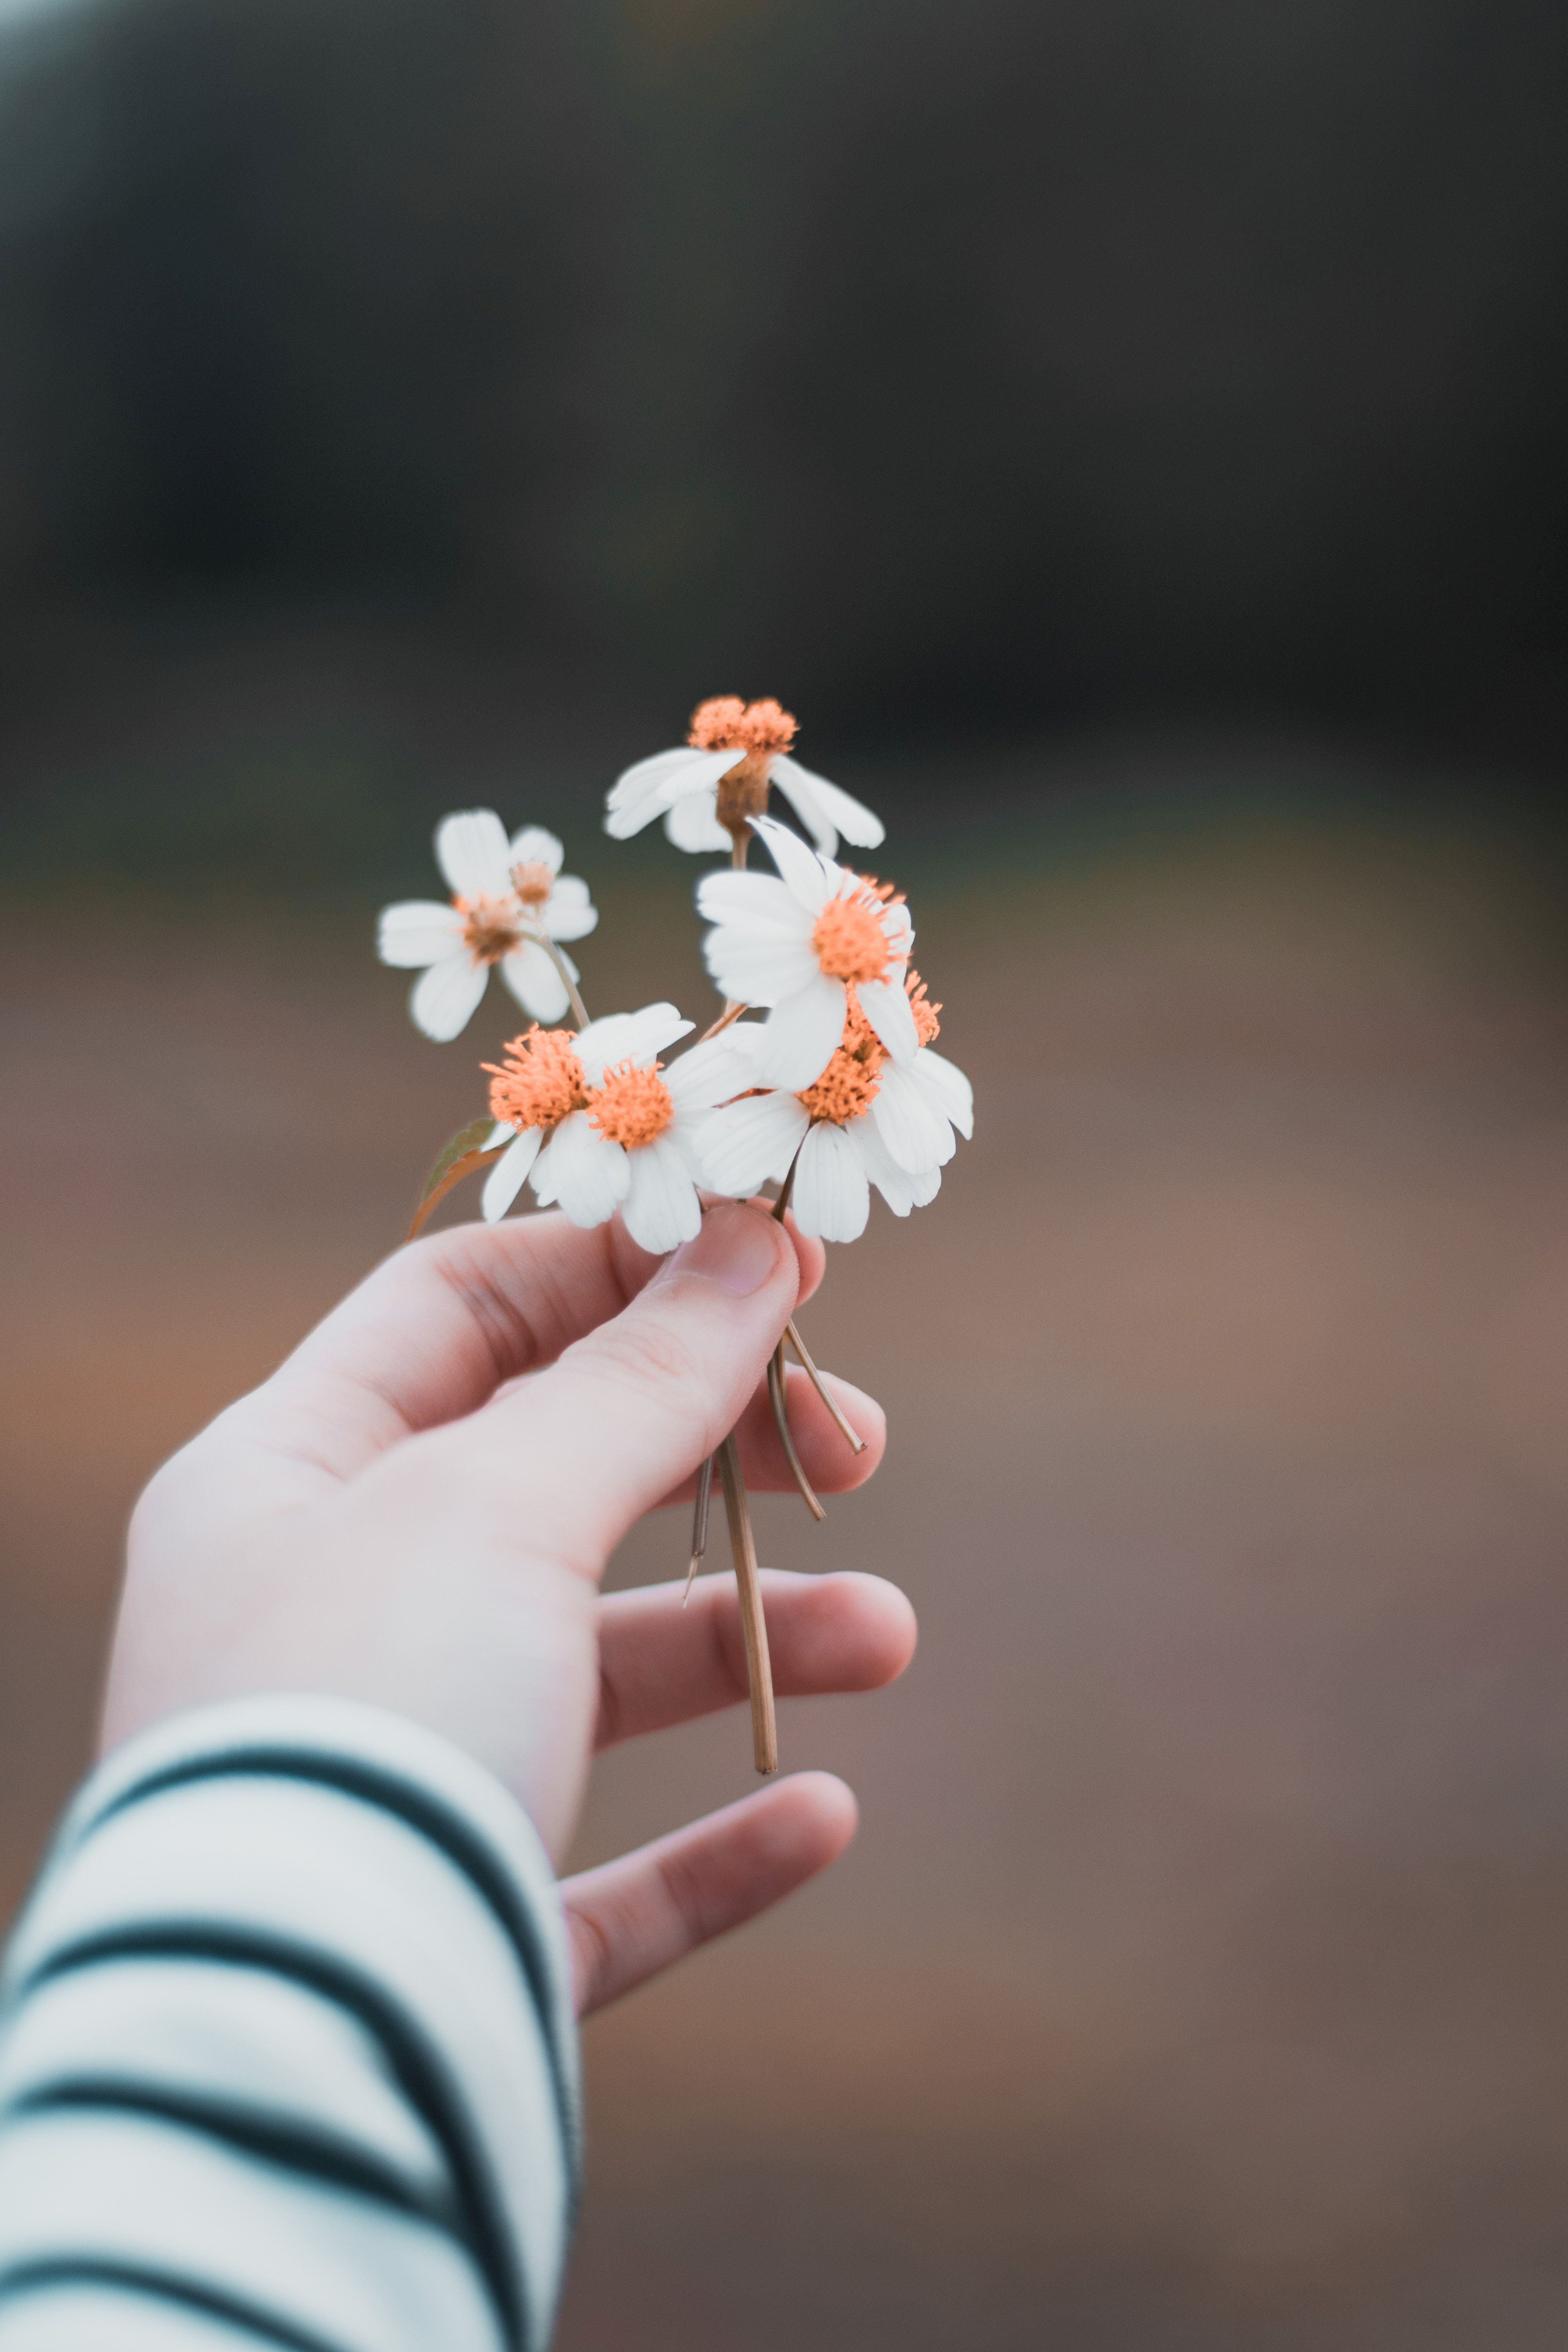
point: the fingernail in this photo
(735, 1249)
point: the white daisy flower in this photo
(509, 898)
(599, 1124)
(708, 788)
(867, 1120)
(798, 941)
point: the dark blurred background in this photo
(965, 375)
(1131, 437)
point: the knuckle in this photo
(683, 1891)
(642, 1352)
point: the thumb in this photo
(586, 1447)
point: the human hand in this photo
(416, 1511)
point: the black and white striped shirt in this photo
(287, 2055)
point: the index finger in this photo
(438, 1327)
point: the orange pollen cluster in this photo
(540, 1081)
(849, 1084)
(928, 1028)
(489, 927)
(633, 1107)
(726, 723)
(849, 938)
(532, 883)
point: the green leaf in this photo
(472, 1138)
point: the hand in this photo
(415, 1510)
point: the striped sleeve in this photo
(287, 2055)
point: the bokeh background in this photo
(1131, 438)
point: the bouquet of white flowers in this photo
(837, 1088)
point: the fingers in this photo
(437, 1327)
(827, 1459)
(571, 1459)
(634, 1916)
(661, 1664)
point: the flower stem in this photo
(777, 1392)
(579, 1010)
(857, 1444)
(759, 1673)
(716, 1028)
(778, 1399)
(699, 1523)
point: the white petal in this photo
(416, 931)
(833, 805)
(902, 1190)
(831, 1196)
(758, 967)
(899, 930)
(700, 773)
(813, 879)
(501, 1132)
(661, 1208)
(797, 789)
(944, 1083)
(629, 1036)
(569, 913)
(895, 1186)
(886, 1008)
(505, 1179)
(910, 1124)
(693, 823)
(801, 1035)
(710, 1073)
(655, 1027)
(644, 776)
(535, 982)
(655, 785)
(752, 900)
(473, 852)
(444, 998)
(544, 1172)
(583, 1170)
(534, 846)
(606, 1040)
(750, 1140)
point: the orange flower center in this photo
(850, 940)
(851, 1083)
(538, 1080)
(534, 883)
(928, 1028)
(489, 927)
(726, 723)
(633, 1105)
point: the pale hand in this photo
(416, 1511)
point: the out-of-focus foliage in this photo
(973, 368)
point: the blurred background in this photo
(1131, 438)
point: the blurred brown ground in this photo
(1200, 1976)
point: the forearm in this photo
(288, 2053)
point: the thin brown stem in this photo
(699, 1524)
(579, 1010)
(858, 1444)
(778, 1399)
(716, 1028)
(781, 1205)
(759, 1673)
